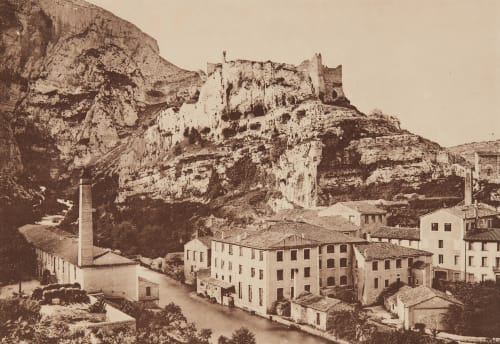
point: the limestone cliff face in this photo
(262, 124)
(79, 79)
(78, 84)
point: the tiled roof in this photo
(364, 207)
(206, 240)
(486, 153)
(469, 212)
(385, 250)
(405, 233)
(288, 234)
(489, 234)
(312, 216)
(414, 296)
(65, 245)
(318, 302)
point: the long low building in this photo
(404, 236)
(65, 258)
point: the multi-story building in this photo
(280, 262)
(367, 216)
(404, 236)
(196, 257)
(443, 233)
(482, 254)
(380, 264)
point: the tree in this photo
(242, 336)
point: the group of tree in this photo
(480, 314)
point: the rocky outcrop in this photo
(78, 84)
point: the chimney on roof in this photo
(85, 225)
(468, 186)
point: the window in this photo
(373, 218)
(240, 291)
(292, 292)
(279, 293)
(456, 260)
(387, 264)
(307, 253)
(343, 262)
(447, 227)
(293, 254)
(261, 255)
(307, 272)
(74, 271)
(434, 226)
(497, 262)
(215, 262)
(222, 277)
(343, 280)
(386, 282)
(374, 266)
(366, 219)
(221, 264)
(484, 277)
(320, 249)
(148, 291)
(320, 264)
(343, 248)
(292, 273)
(470, 246)
(410, 262)
(483, 246)
(201, 257)
(307, 287)
(441, 259)
(230, 249)
(279, 256)
(330, 263)
(192, 268)
(440, 243)
(222, 247)
(261, 274)
(194, 256)
(279, 275)
(398, 263)
(241, 251)
(252, 272)
(188, 254)
(330, 281)
(261, 296)
(498, 246)
(318, 321)
(375, 283)
(249, 293)
(471, 260)
(253, 253)
(240, 269)
(230, 266)
(230, 278)
(330, 249)
(484, 261)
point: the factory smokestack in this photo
(468, 187)
(85, 226)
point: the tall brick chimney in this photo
(468, 186)
(85, 227)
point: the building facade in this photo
(280, 262)
(482, 254)
(380, 264)
(366, 216)
(443, 231)
(487, 166)
(197, 256)
(404, 236)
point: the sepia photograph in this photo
(249, 172)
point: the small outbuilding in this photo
(315, 310)
(422, 305)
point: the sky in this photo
(433, 64)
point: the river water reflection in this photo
(224, 320)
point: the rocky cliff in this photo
(79, 85)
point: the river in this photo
(224, 320)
